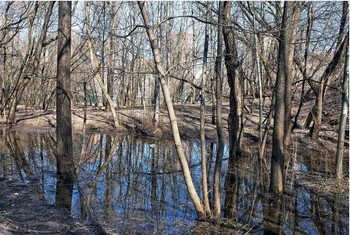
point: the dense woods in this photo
(115, 55)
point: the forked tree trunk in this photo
(219, 127)
(235, 120)
(277, 159)
(171, 113)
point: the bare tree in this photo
(172, 117)
(96, 66)
(29, 68)
(235, 120)
(218, 111)
(278, 152)
(202, 116)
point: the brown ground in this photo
(132, 120)
(19, 197)
(21, 212)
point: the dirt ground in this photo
(132, 120)
(40, 218)
(22, 212)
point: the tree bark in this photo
(277, 159)
(343, 117)
(64, 147)
(111, 60)
(202, 118)
(219, 127)
(235, 120)
(171, 113)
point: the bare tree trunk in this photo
(219, 128)
(174, 126)
(343, 117)
(202, 118)
(258, 72)
(277, 159)
(110, 63)
(156, 97)
(64, 147)
(235, 120)
(291, 31)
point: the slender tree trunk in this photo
(343, 117)
(110, 63)
(174, 126)
(64, 147)
(258, 72)
(156, 97)
(219, 128)
(202, 118)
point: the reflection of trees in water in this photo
(299, 210)
(140, 183)
(142, 180)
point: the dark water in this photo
(135, 185)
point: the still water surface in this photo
(135, 185)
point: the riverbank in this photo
(22, 212)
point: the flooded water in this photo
(135, 185)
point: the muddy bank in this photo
(22, 212)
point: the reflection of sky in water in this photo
(139, 169)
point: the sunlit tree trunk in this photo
(343, 117)
(202, 117)
(111, 60)
(64, 147)
(219, 128)
(174, 126)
